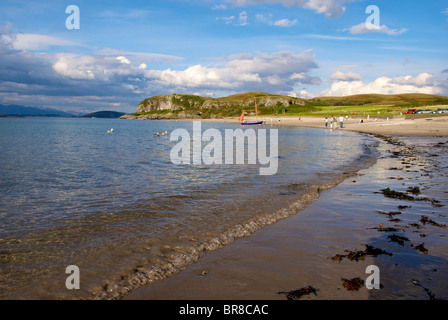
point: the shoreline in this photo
(271, 260)
(396, 126)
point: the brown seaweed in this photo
(398, 239)
(404, 196)
(396, 194)
(426, 220)
(352, 284)
(297, 294)
(421, 248)
(414, 190)
(360, 254)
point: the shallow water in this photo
(297, 252)
(116, 206)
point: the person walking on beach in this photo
(326, 122)
(341, 121)
(331, 122)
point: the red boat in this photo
(245, 123)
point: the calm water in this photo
(117, 207)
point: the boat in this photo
(245, 123)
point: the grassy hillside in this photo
(405, 100)
(187, 106)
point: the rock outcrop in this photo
(177, 102)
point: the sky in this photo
(110, 55)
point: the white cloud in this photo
(264, 18)
(242, 20)
(365, 27)
(285, 23)
(302, 94)
(130, 76)
(198, 76)
(137, 56)
(28, 41)
(228, 20)
(89, 67)
(422, 83)
(331, 8)
(282, 63)
(242, 72)
(123, 59)
(219, 7)
(341, 76)
(305, 78)
(267, 18)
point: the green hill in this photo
(405, 99)
(178, 106)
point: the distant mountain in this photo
(104, 114)
(14, 110)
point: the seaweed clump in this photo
(360, 254)
(396, 194)
(426, 220)
(398, 239)
(297, 294)
(352, 284)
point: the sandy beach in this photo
(431, 126)
(326, 246)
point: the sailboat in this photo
(245, 123)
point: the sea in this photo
(113, 204)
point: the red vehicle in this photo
(411, 111)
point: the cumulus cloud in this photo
(242, 72)
(305, 78)
(123, 59)
(341, 76)
(304, 94)
(422, 83)
(331, 8)
(365, 27)
(129, 77)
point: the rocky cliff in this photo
(177, 102)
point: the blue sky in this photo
(125, 51)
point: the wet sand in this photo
(313, 247)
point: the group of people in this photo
(333, 121)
